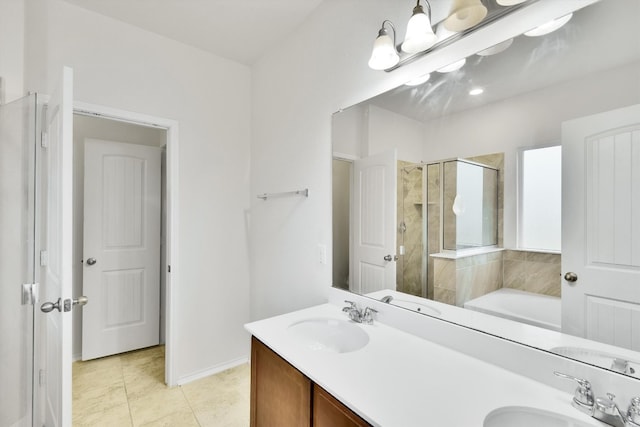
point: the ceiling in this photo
(240, 30)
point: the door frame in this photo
(172, 221)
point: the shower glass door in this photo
(17, 259)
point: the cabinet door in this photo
(329, 412)
(280, 394)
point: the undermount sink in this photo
(416, 306)
(331, 335)
(522, 416)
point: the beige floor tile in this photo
(141, 380)
(129, 390)
(177, 419)
(118, 416)
(230, 412)
(154, 355)
(96, 368)
(96, 399)
(157, 405)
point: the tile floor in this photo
(128, 390)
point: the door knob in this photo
(48, 307)
(91, 261)
(388, 258)
(571, 276)
(70, 303)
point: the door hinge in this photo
(168, 269)
(44, 139)
(44, 258)
(42, 379)
(29, 293)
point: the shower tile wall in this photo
(533, 272)
(410, 205)
(460, 280)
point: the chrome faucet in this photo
(603, 409)
(358, 315)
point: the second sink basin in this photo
(521, 416)
(327, 334)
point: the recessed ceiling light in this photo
(418, 80)
(453, 67)
(496, 48)
(549, 27)
(476, 91)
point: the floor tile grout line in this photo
(190, 406)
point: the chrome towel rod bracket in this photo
(265, 196)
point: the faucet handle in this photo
(352, 306)
(583, 396)
(633, 413)
(608, 405)
(367, 317)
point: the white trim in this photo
(211, 371)
(345, 157)
(171, 126)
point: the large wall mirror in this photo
(507, 189)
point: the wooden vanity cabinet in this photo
(329, 412)
(281, 396)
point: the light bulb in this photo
(420, 35)
(384, 54)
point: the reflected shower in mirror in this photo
(431, 177)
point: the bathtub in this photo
(526, 307)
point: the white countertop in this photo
(398, 379)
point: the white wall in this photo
(12, 14)
(120, 66)
(388, 129)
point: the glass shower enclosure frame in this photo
(18, 272)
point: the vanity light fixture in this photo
(465, 14)
(476, 91)
(549, 27)
(420, 35)
(384, 54)
(453, 66)
(418, 80)
(496, 48)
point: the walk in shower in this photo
(444, 206)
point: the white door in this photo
(57, 286)
(601, 227)
(374, 223)
(121, 271)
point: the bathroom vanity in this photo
(316, 367)
(283, 395)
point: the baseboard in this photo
(213, 370)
